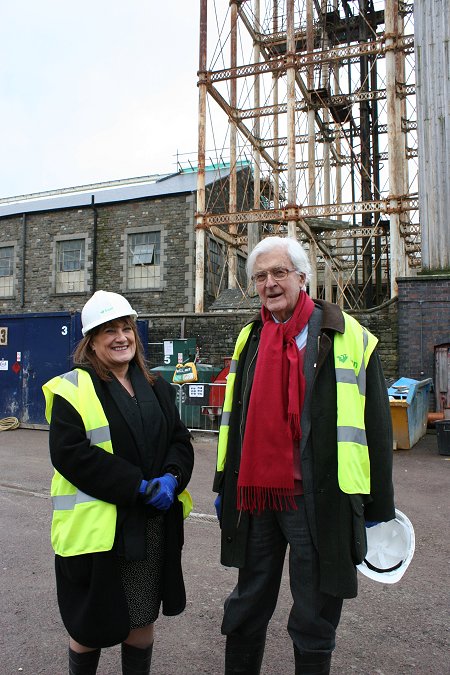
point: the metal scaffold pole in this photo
(396, 143)
(201, 196)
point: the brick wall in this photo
(424, 323)
(215, 333)
(383, 322)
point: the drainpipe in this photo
(24, 245)
(94, 246)
(421, 337)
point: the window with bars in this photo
(70, 266)
(6, 270)
(241, 271)
(216, 279)
(143, 263)
(215, 267)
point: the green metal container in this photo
(190, 410)
(179, 351)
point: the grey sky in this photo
(95, 91)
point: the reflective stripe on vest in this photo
(80, 523)
(228, 400)
(77, 388)
(67, 502)
(352, 351)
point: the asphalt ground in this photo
(399, 629)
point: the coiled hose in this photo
(9, 423)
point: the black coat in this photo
(336, 519)
(90, 593)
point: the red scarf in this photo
(266, 474)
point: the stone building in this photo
(135, 238)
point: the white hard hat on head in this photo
(102, 307)
(390, 549)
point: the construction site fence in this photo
(200, 405)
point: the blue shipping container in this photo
(33, 349)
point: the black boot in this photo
(312, 663)
(136, 661)
(243, 656)
(83, 664)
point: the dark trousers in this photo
(314, 616)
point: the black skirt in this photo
(142, 579)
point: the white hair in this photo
(293, 248)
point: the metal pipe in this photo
(376, 179)
(338, 174)
(254, 228)
(311, 110)
(328, 277)
(290, 82)
(232, 228)
(365, 171)
(276, 132)
(396, 150)
(24, 246)
(94, 245)
(311, 144)
(352, 175)
(201, 195)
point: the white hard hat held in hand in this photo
(102, 307)
(390, 549)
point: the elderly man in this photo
(304, 459)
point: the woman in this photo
(122, 460)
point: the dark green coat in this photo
(336, 519)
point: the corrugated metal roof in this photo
(179, 183)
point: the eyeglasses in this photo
(277, 274)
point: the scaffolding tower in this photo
(318, 97)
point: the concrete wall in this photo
(431, 41)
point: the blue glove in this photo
(372, 523)
(160, 492)
(218, 506)
(146, 491)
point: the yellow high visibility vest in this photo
(352, 351)
(228, 400)
(81, 523)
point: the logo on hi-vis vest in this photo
(342, 358)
